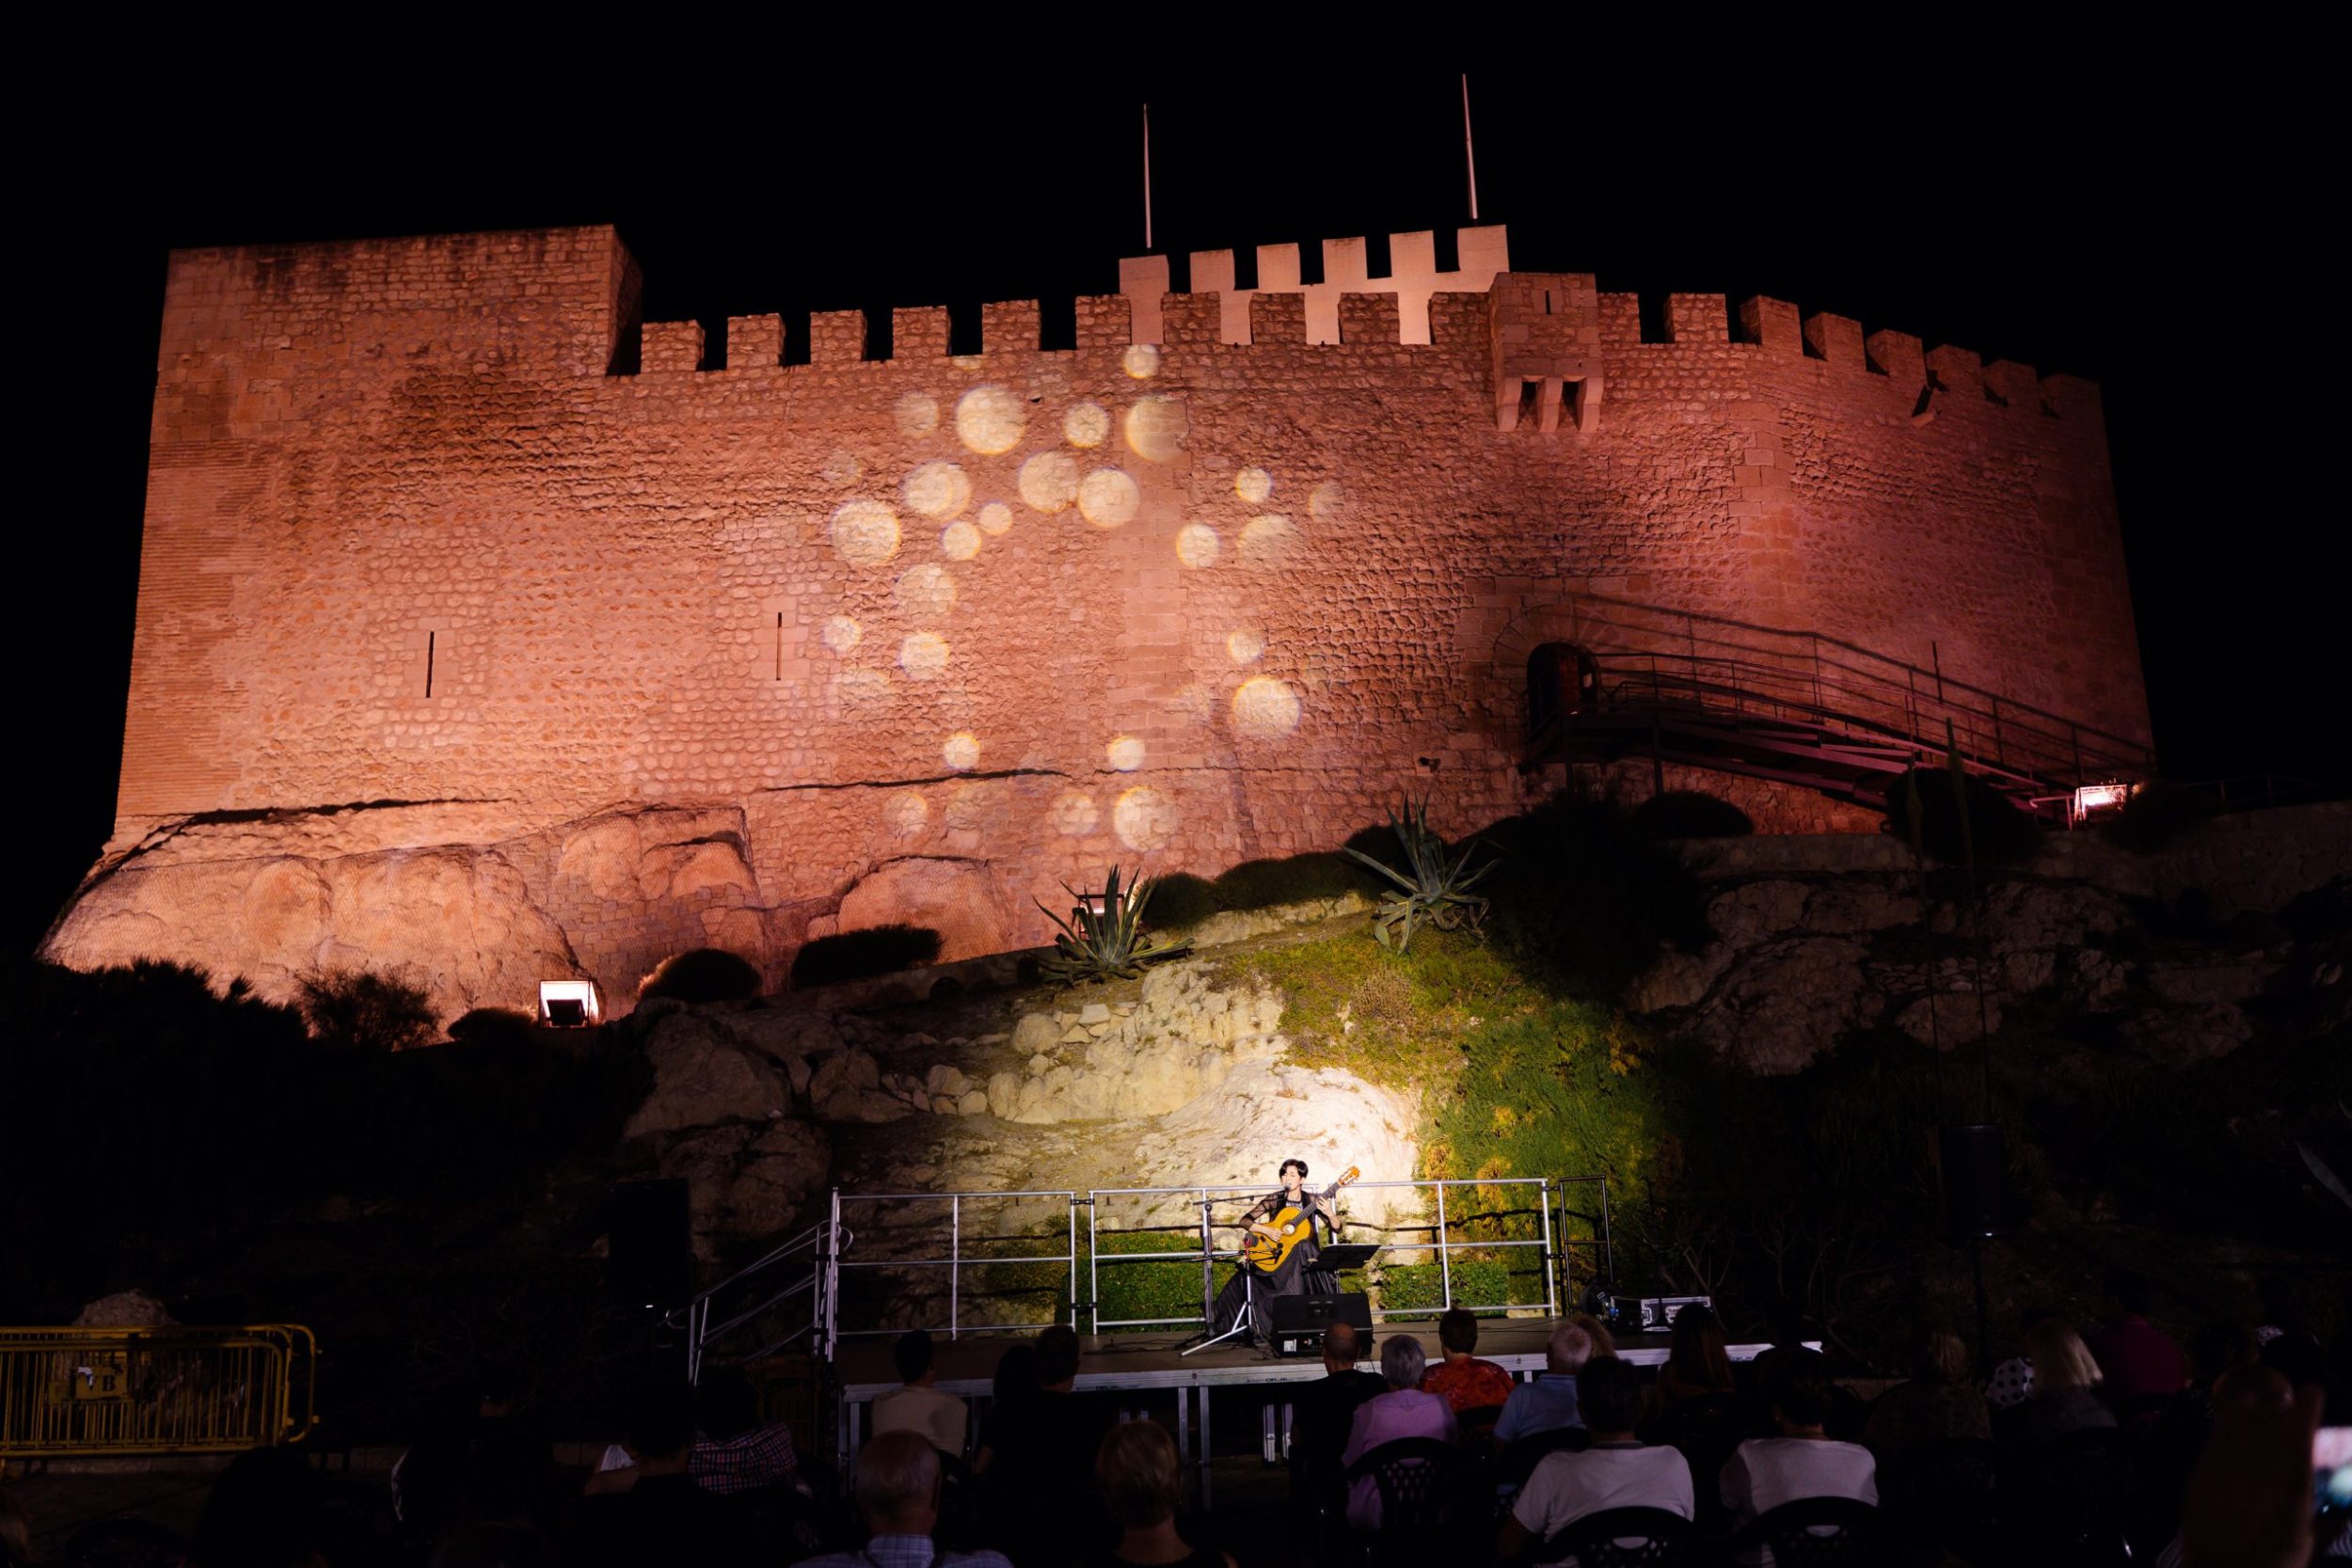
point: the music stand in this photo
(1342, 1257)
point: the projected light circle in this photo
(995, 519)
(924, 655)
(1109, 498)
(841, 634)
(1197, 545)
(990, 421)
(1156, 427)
(1074, 814)
(1264, 710)
(1141, 361)
(1324, 503)
(1125, 753)
(1089, 425)
(864, 533)
(937, 490)
(961, 752)
(1145, 819)
(1267, 539)
(840, 467)
(1049, 482)
(1253, 485)
(905, 814)
(960, 541)
(1244, 645)
(860, 686)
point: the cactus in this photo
(1106, 944)
(1433, 890)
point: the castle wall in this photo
(1011, 617)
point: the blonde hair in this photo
(2060, 1359)
(1604, 1343)
(1136, 1469)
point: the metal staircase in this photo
(1798, 708)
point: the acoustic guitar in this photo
(1266, 1253)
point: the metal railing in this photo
(74, 1392)
(770, 1294)
(1646, 659)
(961, 1254)
(1550, 1240)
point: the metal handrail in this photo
(823, 1243)
(955, 1262)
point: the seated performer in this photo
(1297, 1275)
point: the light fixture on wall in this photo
(2090, 800)
(569, 1003)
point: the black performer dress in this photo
(1299, 1276)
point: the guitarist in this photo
(1297, 1275)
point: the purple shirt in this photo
(1398, 1413)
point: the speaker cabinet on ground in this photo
(652, 1252)
(1299, 1320)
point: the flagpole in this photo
(1469, 153)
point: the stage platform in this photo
(1146, 1364)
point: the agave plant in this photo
(1104, 937)
(1432, 890)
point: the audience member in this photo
(2137, 1361)
(1804, 1460)
(1785, 1330)
(509, 1469)
(262, 1512)
(1142, 1485)
(662, 1504)
(1322, 1415)
(738, 1452)
(495, 1544)
(919, 1405)
(2011, 1380)
(1939, 1403)
(1617, 1471)
(2065, 1395)
(1461, 1379)
(1550, 1402)
(1604, 1343)
(1045, 1513)
(16, 1532)
(2248, 1502)
(898, 1496)
(1404, 1411)
(1015, 1386)
(1697, 1367)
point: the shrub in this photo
(702, 974)
(1295, 880)
(1690, 813)
(1105, 942)
(358, 1009)
(494, 1026)
(1433, 888)
(2155, 814)
(856, 955)
(1996, 832)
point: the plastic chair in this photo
(1421, 1481)
(2083, 1484)
(1625, 1538)
(1943, 1493)
(1818, 1532)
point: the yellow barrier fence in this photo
(78, 1392)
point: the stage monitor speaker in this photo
(652, 1250)
(1299, 1320)
(1651, 1314)
(1976, 1182)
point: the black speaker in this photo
(1299, 1320)
(1976, 1182)
(652, 1247)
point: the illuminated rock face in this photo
(1223, 580)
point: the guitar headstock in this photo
(1350, 1174)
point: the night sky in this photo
(2160, 235)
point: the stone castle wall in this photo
(435, 522)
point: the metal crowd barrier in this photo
(76, 1392)
(959, 1204)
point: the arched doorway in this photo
(1563, 680)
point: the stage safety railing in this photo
(83, 1392)
(788, 1294)
(1537, 1216)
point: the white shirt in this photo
(1568, 1486)
(1765, 1472)
(940, 1418)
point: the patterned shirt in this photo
(1468, 1384)
(752, 1461)
(906, 1551)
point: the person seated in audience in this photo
(1803, 1461)
(898, 1496)
(1461, 1379)
(1404, 1411)
(1604, 1343)
(262, 1512)
(2011, 1380)
(734, 1451)
(2139, 1362)
(1014, 1388)
(1142, 1485)
(1045, 1513)
(1323, 1414)
(1617, 1471)
(1785, 1330)
(1939, 1403)
(2249, 1500)
(2065, 1395)
(492, 1544)
(919, 1405)
(1697, 1368)
(1550, 1402)
(660, 1504)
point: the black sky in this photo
(2157, 230)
